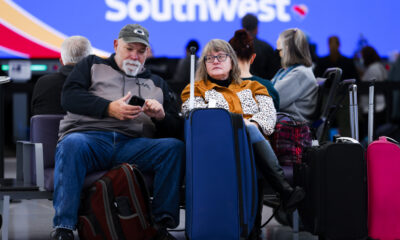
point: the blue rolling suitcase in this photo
(221, 179)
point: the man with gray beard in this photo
(101, 130)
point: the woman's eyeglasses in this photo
(220, 58)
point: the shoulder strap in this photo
(237, 123)
(139, 177)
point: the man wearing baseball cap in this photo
(101, 130)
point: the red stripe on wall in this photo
(11, 40)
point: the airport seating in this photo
(35, 166)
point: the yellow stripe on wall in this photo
(29, 26)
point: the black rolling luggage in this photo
(334, 178)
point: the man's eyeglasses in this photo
(220, 58)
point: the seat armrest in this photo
(24, 162)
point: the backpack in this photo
(117, 206)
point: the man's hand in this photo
(119, 109)
(154, 109)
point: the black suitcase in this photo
(333, 176)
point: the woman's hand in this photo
(248, 122)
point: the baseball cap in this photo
(134, 33)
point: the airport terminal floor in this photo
(32, 219)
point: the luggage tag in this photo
(212, 103)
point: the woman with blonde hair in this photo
(218, 84)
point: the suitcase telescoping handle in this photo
(353, 111)
(371, 111)
(192, 65)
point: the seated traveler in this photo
(243, 44)
(101, 130)
(218, 83)
(295, 82)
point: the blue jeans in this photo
(254, 133)
(81, 153)
(256, 136)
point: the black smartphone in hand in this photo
(136, 101)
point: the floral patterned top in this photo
(249, 98)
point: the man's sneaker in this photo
(62, 234)
(163, 234)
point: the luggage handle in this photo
(353, 110)
(389, 139)
(346, 140)
(192, 65)
(337, 74)
(280, 115)
(371, 111)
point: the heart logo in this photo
(300, 10)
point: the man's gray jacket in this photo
(96, 82)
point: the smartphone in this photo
(136, 101)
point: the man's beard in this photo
(131, 67)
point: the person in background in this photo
(295, 81)
(394, 76)
(243, 44)
(218, 83)
(336, 59)
(374, 69)
(267, 62)
(182, 73)
(313, 50)
(349, 71)
(101, 130)
(46, 96)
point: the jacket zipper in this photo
(107, 209)
(134, 197)
(123, 86)
(138, 84)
